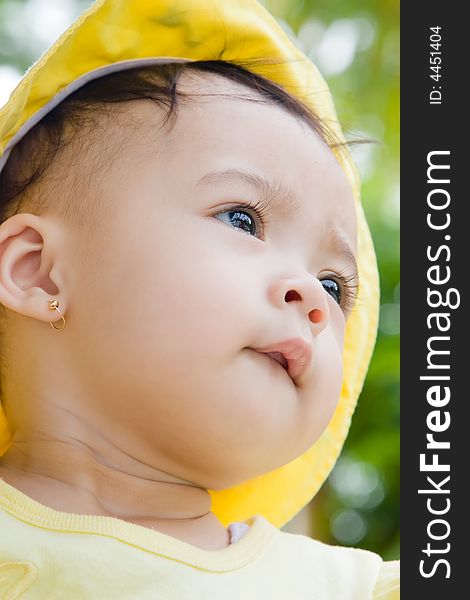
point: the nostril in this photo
(292, 295)
(316, 315)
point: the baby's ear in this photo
(31, 265)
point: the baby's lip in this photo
(296, 353)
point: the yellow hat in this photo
(117, 34)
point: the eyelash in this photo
(348, 283)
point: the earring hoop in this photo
(54, 305)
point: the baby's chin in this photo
(261, 458)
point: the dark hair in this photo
(30, 160)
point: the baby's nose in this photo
(311, 297)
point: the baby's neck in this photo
(77, 483)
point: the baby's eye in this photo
(344, 290)
(333, 288)
(250, 218)
(240, 219)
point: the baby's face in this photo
(183, 288)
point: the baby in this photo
(191, 228)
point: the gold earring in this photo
(53, 305)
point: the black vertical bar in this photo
(435, 257)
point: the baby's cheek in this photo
(335, 378)
(337, 325)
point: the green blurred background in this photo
(355, 44)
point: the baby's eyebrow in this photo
(336, 240)
(276, 192)
(284, 199)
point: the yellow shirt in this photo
(47, 554)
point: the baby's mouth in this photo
(294, 355)
(279, 357)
